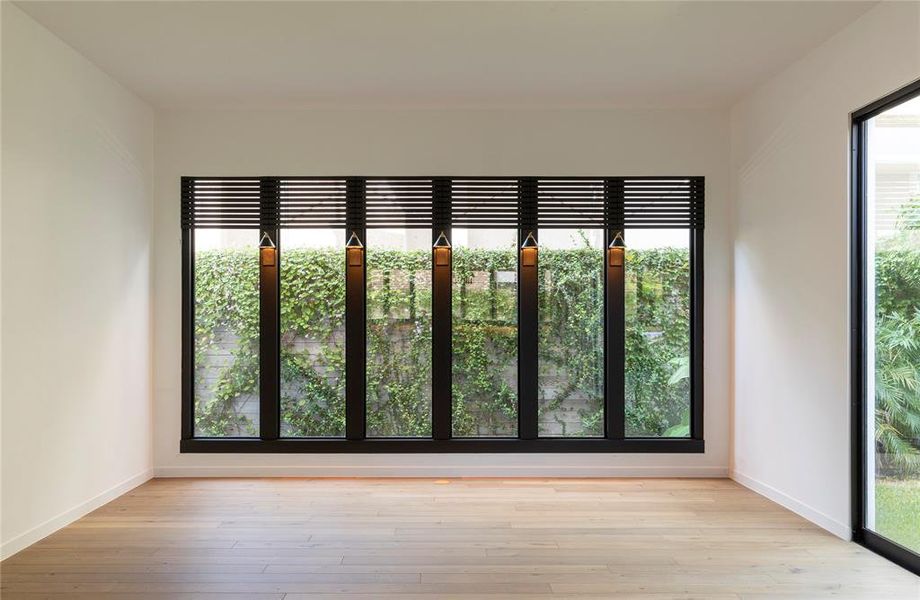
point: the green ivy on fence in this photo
(658, 343)
(399, 341)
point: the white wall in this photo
(623, 142)
(790, 184)
(76, 282)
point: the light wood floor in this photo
(421, 538)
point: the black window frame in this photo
(859, 402)
(355, 441)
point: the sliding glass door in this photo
(887, 190)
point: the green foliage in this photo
(571, 337)
(897, 357)
(398, 343)
(484, 344)
(313, 310)
(399, 340)
(226, 300)
(658, 343)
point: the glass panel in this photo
(484, 340)
(312, 332)
(398, 333)
(657, 333)
(571, 332)
(893, 325)
(226, 333)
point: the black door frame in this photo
(858, 294)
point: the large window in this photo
(442, 314)
(887, 318)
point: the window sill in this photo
(397, 445)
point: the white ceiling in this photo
(442, 54)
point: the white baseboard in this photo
(439, 471)
(24, 540)
(841, 530)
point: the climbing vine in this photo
(484, 344)
(399, 341)
(571, 337)
(226, 340)
(658, 343)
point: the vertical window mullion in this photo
(269, 315)
(528, 296)
(355, 314)
(615, 315)
(858, 349)
(188, 331)
(696, 334)
(441, 325)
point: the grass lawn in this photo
(897, 511)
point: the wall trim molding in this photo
(826, 522)
(43, 530)
(509, 471)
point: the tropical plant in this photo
(897, 347)
(897, 391)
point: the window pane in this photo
(571, 333)
(657, 333)
(226, 333)
(312, 332)
(398, 333)
(893, 325)
(484, 304)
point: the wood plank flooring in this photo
(297, 539)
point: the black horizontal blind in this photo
(399, 202)
(306, 202)
(571, 203)
(484, 203)
(221, 202)
(409, 202)
(662, 202)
